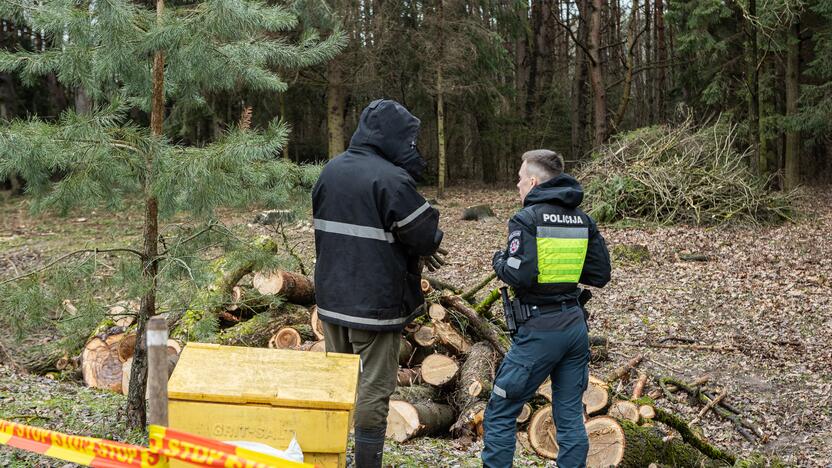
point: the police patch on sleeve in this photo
(514, 242)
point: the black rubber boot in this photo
(369, 447)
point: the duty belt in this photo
(546, 309)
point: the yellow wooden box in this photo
(231, 393)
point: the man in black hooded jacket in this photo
(552, 246)
(371, 228)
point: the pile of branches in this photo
(680, 174)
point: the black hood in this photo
(390, 130)
(563, 190)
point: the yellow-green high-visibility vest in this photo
(561, 251)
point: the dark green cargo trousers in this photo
(379, 353)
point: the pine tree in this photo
(130, 60)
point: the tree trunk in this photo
(440, 129)
(792, 162)
(628, 73)
(753, 88)
(136, 412)
(482, 328)
(336, 108)
(661, 59)
(596, 73)
(579, 86)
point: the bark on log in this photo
(623, 370)
(296, 288)
(625, 444)
(484, 307)
(439, 370)
(442, 286)
(406, 420)
(315, 322)
(482, 328)
(416, 393)
(476, 376)
(257, 331)
(638, 389)
(318, 346)
(469, 423)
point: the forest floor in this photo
(763, 294)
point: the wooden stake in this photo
(157, 371)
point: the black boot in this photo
(369, 447)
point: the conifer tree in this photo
(132, 60)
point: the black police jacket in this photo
(372, 225)
(551, 210)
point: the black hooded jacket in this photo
(372, 225)
(550, 207)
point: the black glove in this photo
(500, 254)
(434, 261)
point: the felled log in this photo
(595, 398)
(413, 412)
(213, 300)
(469, 423)
(407, 420)
(441, 285)
(439, 370)
(484, 308)
(36, 358)
(469, 294)
(623, 370)
(483, 329)
(315, 322)
(100, 363)
(296, 288)
(259, 330)
(476, 376)
(625, 444)
(448, 336)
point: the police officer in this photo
(552, 246)
(372, 227)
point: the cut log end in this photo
(646, 412)
(315, 322)
(296, 288)
(542, 433)
(437, 312)
(525, 413)
(425, 336)
(596, 397)
(100, 362)
(626, 410)
(606, 442)
(426, 287)
(286, 338)
(439, 370)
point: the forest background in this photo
(490, 79)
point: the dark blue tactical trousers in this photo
(563, 354)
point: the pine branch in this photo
(64, 257)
